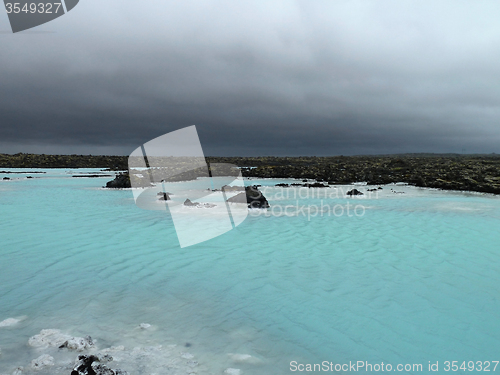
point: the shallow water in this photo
(414, 279)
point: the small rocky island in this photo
(252, 196)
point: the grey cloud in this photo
(257, 78)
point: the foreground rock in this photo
(53, 337)
(94, 365)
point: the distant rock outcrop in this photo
(227, 188)
(354, 192)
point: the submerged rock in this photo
(42, 362)
(10, 322)
(186, 355)
(243, 358)
(232, 371)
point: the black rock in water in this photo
(121, 181)
(164, 196)
(354, 192)
(164, 192)
(252, 196)
(315, 185)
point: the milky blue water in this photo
(411, 278)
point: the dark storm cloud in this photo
(281, 77)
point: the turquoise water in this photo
(414, 279)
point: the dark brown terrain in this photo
(479, 173)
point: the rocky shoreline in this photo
(479, 173)
(57, 352)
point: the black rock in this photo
(164, 196)
(84, 365)
(6, 178)
(315, 185)
(93, 365)
(252, 196)
(121, 181)
(164, 192)
(282, 185)
(354, 192)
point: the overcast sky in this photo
(256, 77)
